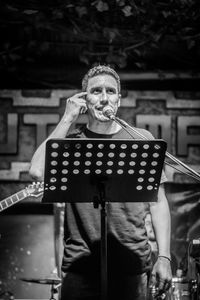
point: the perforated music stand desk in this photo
(99, 171)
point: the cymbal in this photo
(42, 280)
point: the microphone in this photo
(108, 112)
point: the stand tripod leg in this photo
(52, 292)
(103, 251)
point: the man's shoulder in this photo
(77, 133)
(144, 132)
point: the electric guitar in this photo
(34, 190)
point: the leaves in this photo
(120, 2)
(30, 11)
(117, 30)
(100, 5)
(81, 10)
(111, 34)
(127, 10)
(118, 58)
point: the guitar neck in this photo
(4, 204)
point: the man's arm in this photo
(161, 221)
(74, 105)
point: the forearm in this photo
(161, 222)
(38, 159)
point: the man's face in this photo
(102, 90)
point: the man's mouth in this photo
(99, 108)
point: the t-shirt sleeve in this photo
(163, 177)
(150, 136)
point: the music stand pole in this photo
(104, 276)
(103, 211)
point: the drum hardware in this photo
(183, 289)
(194, 248)
(54, 282)
(155, 295)
(193, 286)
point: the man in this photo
(128, 249)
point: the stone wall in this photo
(27, 117)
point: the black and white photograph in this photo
(100, 150)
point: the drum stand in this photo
(54, 290)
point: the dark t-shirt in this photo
(128, 247)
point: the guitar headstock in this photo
(35, 189)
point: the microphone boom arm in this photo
(125, 125)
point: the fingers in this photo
(83, 109)
(159, 286)
(167, 285)
(78, 102)
(81, 94)
(163, 285)
(152, 281)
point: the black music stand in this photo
(101, 171)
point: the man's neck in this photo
(103, 127)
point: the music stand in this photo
(101, 171)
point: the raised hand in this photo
(76, 105)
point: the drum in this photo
(182, 289)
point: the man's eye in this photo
(97, 91)
(111, 91)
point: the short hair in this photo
(100, 70)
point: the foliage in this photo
(114, 31)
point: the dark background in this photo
(50, 44)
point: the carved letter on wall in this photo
(41, 121)
(11, 144)
(158, 125)
(184, 138)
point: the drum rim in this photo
(179, 279)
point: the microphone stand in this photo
(126, 126)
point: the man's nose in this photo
(104, 98)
